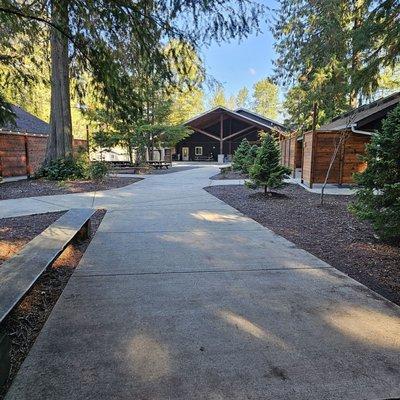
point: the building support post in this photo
(221, 141)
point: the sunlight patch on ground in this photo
(150, 360)
(368, 326)
(246, 326)
(217, 217)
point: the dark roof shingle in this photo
(27, 123)
(359, 115)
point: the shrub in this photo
(73, 168)
(266, 170)
(378, 199)
(238, 159)
(61, 169)
(97, 170)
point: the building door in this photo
(185, 153)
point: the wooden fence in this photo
(22, 153)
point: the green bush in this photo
(378, 199)
(73, 168)
(239, 157)
(267, 170)
(97, 170)
(61, 169)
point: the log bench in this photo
(19, 273)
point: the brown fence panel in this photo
(23, 154)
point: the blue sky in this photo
(237, 64)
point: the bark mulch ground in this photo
(330, 232)
(229, 175)
(41, 187)
(24, 323)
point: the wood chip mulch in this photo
(25, 322)
(330, 232)
(229, 175)
(42, 187)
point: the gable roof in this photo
(364, 114)
(260, 118)
(26, 123)
(241, 114)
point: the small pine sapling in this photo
(267, 171)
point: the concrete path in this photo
(179, 296)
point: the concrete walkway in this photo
(179, 296)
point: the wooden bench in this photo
(19, 273)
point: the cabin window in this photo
(198, 151)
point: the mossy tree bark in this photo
(60, 139)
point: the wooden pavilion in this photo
(217, 133)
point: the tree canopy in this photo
(98, 37)
(333, 52)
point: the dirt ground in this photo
(330, 232)
(24, 323)
(41, 187)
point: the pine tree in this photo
(250, 158)
(239, 157)
(378, 200)
(267, 171)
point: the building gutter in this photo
(353, 129)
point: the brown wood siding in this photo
(14, 149)
(346, 163)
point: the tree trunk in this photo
(59, 143)
(357, 9)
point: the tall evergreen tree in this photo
(378, 199)
(267, 171)
(319, 55)
(89, 34)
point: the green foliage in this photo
(250, 158)
(266, 170)
(219, 99)
(242, 98)
(378, 200)
(73, 168)
(240, 156)
(7, 117)
(265, 98)
(97, 170)
(317, 56)
(333, 52)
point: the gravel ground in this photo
(41, 187)
(230, 175)
(25, 322)
(330, 232)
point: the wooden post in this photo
(87, 139)
(314, 140)
(28, 168)
(221, 134)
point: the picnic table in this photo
(159, 164)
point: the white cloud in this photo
(252, 71)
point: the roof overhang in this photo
(210, 117)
